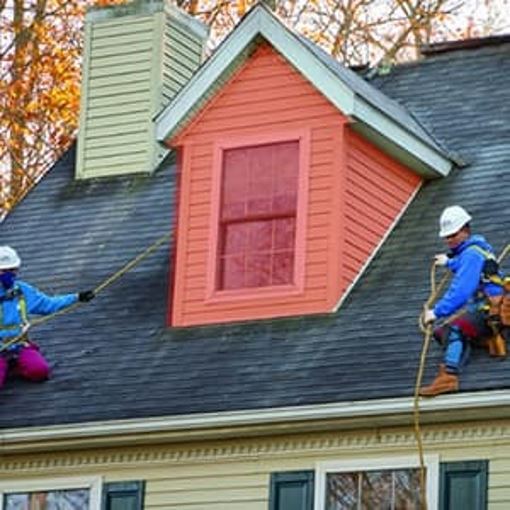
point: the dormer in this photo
(293, 170)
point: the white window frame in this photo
(378, 464)
(93, 484)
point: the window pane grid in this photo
(258, 216)
(374, 490)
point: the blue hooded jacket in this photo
(467, 266)
(37, 303)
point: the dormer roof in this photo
(381, 119)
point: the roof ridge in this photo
(464, 44)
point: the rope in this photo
(106, 283)
(416, 416)
(427, 335)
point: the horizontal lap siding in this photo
(118, 97)
(235, 474)
(377, 188)
(182, 56)
(265, 96)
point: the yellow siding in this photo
(135, 62)
(235, 474)
(107, 108)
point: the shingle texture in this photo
(114, 358)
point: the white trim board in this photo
(211, 425)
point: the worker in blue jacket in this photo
(475, 280)
(18, 301)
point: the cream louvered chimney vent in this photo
(137, 57)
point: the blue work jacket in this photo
(466, 264)
(37, 303)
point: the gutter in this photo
(249, 423)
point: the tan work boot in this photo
(443, 383)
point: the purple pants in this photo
(28, 364)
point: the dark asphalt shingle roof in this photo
(114, 358)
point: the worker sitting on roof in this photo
(17, 301)
(476, 281)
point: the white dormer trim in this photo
(430, 161)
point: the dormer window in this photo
(256, 240)
(258, 215)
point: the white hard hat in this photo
(9, 259)
(452, 220)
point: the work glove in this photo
(441, 259)
(429, 317)
(86, 296)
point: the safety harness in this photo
(15, 293)
(498, 307)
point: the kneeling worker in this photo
(476, 282)
(18, 300)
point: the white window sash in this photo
(378, 464)
(93, 484)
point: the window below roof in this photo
(72, 493)
(391, 483)
(258, 216)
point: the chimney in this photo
(137, 57)
(270, 3)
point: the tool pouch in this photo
(494, 305)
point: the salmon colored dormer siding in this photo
(348, 195)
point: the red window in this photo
(258, 210)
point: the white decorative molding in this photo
(367, 442)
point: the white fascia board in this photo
(368, 114)
(259, 21)
(187, 425)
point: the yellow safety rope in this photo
(111, 279)
(427, 335)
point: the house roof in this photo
(115, 359)
(379, 117)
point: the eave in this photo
(388, 132)
(354, 415)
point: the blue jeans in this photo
(458, 336)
